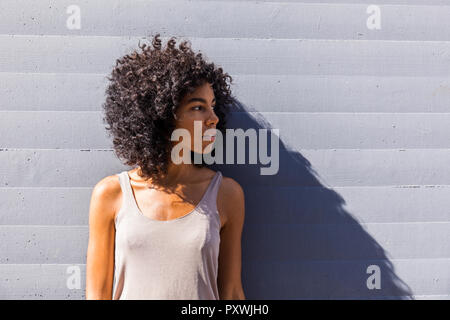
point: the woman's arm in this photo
(229, 277)
(100, 252)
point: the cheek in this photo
(185, 124)
(189, 126)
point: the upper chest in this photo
(176, 203)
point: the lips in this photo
(210, 137)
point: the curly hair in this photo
(143, 94)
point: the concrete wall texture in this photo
(361, 95)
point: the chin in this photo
(207, 148)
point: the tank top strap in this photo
(210, 196)
(127, 193)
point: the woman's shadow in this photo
(298, 241)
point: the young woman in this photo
(165, 230)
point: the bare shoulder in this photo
(231, 188)
(231, 200)
(106, 197)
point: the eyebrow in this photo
(199, 100)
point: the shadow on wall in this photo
(298, 241)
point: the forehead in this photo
(200, 94)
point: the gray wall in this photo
(363, 116)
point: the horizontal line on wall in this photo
(43, 149)
(326, 112)
(230, 38)
(405, 186)
(332, 261)
(257, 224)
(2, 148)
(327, 3)
(58, 73)
(246, 74)
(245, 111)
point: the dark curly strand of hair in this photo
(144, 91)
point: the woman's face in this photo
(198, 107)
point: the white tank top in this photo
(167, 260)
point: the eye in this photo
(200, 107)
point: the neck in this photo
(176, 174)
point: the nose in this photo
(213, 118)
